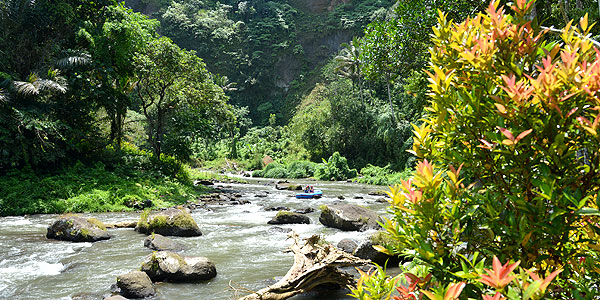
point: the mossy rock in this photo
(77, 229)
(135, 284)
(170, 222)
(161, 243)
(288, 217)
(366, 249)
(169, 266)
(349, 217)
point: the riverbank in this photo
(336, 168)
(96, 188)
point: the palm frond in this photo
(25, 88)
(29, 87)
(3, 96)
(53, 86)
(74, 59)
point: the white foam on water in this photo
(353, 235)
(31, 269)
(242, 214)
(14, 221)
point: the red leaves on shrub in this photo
(500, 276)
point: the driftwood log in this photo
(314, 264)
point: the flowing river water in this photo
(247, 251)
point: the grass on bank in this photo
(99, 187)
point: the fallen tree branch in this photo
(552, 29)
(314, 264)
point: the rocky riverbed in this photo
(248, 252)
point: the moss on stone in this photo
(158, 222)
(282, 213)
(85, 232)
(143, 222)
(97, 223)
(382, 238)
(149, 223)
(324, 208)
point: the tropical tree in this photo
(379, 52)
(114, 44)
(349, 64)
(169, 79)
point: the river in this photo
(247, 252)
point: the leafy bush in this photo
(376, 285)
(279, 172)
(301, 169)
(514, 112)
(132, 158)
(382, 175)
(295, 169)
(336, 168)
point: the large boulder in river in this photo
(158, 242)
(288, 217)
(77, 229)
(173, 221)
(169, 266)
(347, 245)
(366, 250)
(348, 217)
(135, 284)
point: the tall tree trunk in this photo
(120, 121)
(360, 90)
(563, 10)
(159, 132)
(391, 104)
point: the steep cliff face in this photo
(270, 49)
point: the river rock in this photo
(347, 245)
(169, 266)
(138, 203)
(77, 229)
(304, 211)
(381, 200)
(170, 222)
(288, 217)
(203, 182)
(161, 243)
(285, 185)
(135, 284)
(378, 193)
(348, 217)
(124, 224)
(116, 297)
(277, 229)
(276, 208)
(365, 250)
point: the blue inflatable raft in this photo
(316, 194)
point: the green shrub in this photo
(336, 168)
(277, 172)
(508, 159)
(301, 169)
(382, 175)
